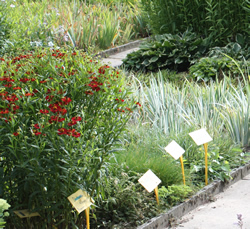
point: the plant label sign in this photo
(200, 136)
(25, 213)
(149, 181)
(80, 200)
(174, 149)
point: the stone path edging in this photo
(121, 48)
(203, 196)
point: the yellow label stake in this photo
(87, 217)
(156, 195)
(182, 168)
(205, 147)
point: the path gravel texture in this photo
(115, 60)
(222, 213)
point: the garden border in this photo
(121, 48)
(203, 196)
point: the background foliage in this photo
(79, 24)
(218, 20)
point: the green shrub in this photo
(218, 20)
(210, 68)
(175, 52)
(60, 114)
(174, 194)
(123, 202)
(223, 155)
(237, 50)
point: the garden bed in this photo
(203, 196)
(65, 116)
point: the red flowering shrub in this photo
(60, 114)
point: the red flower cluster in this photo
(101, 70)
(36, 132)
(4, 111)
(44, 111)
(58, 54)
(56, 108)
(29, 94)
(24, 80)
(69, 132)
(122, 100)
(74, 121)
(55, 119)
(8, 79)
(55, 101)
(72, 72)
(10, 98)
(95, 85)
(49, 98)
(65, 101)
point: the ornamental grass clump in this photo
(60, 114)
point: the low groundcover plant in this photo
(60, 114)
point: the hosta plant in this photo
(175, 52)
(208, 68)
(60, 114)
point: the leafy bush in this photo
(223, 155)
(123, 202)
(218, 20)
(167, 51)
(174, 194)
(3, 207)
(60, 114)
(238, 50)
(208, 68)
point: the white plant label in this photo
(25, 213)
(149, 181)
(174, 149)
(80, 200)
(200, 136)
